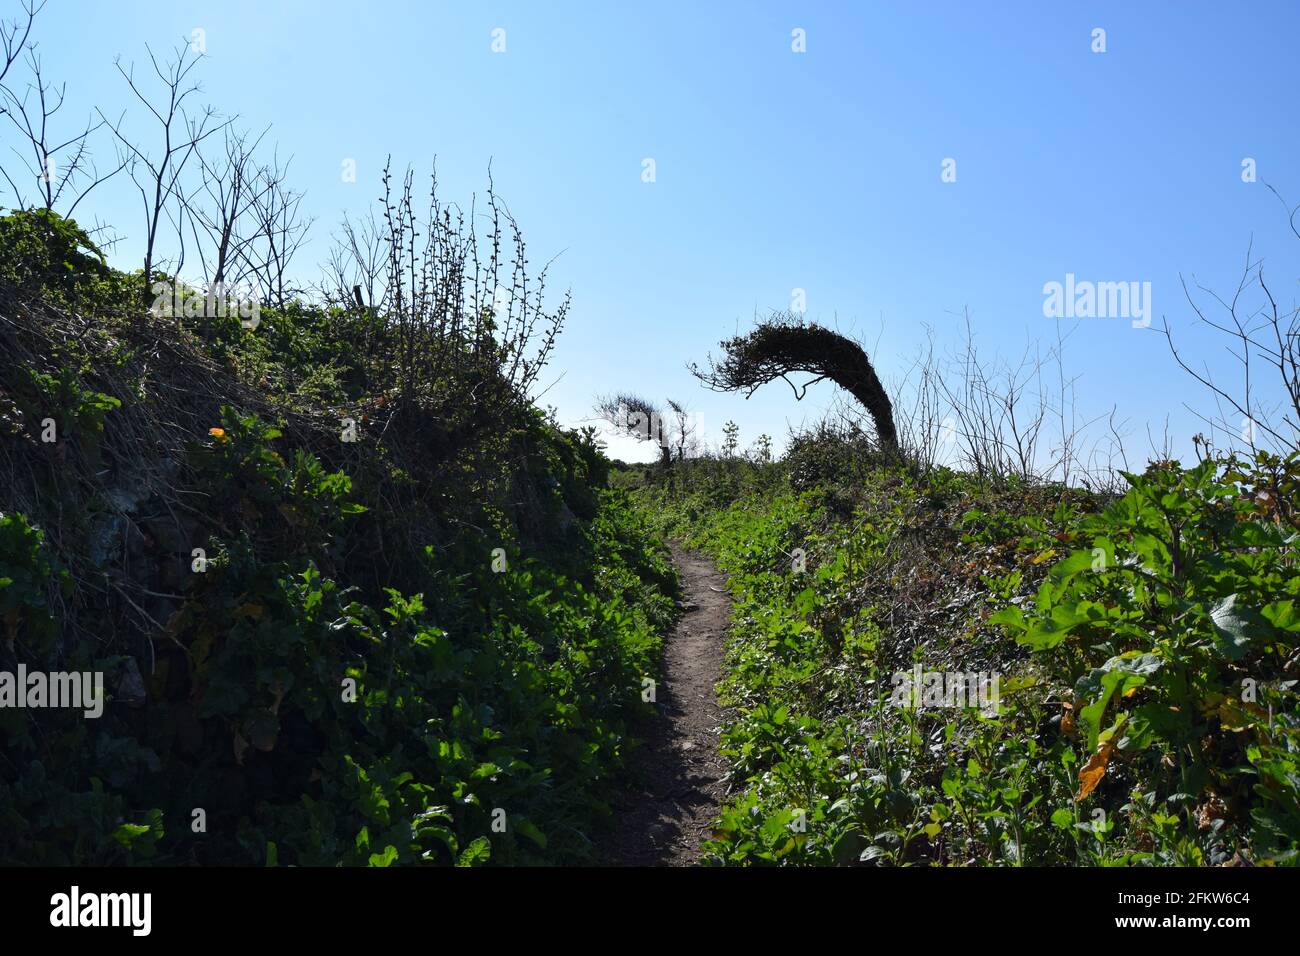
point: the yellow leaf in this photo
(218, 433)
(1091, 773)
(1067, 722)
(1238, 717)
(1043, 556)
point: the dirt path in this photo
(669, 810)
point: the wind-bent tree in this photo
(783, 344)
(673, 431)
(640, 418)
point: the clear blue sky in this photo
(777, 170)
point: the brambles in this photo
(457, 317)
(340, 721)
(289, 582)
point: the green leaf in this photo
(528, 829)
(1283, 615)
(1235, 627)
(1154, 554)
(387, 858)
(1045, 633)
(476, 853)
(1067, 568)
(1012, 618)
(127, 833)
(848, 847)
(1116, 677)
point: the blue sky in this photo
(778, 170)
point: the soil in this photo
(663, 820)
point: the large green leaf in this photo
(1235, 627)
(1117, 676)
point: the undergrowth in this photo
(1144, 647)
(338, 623)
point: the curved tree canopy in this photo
(638, 417)
(784, 343)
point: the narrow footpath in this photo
(678, 785)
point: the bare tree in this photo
(997, 411)
(278, 232)
(355, 270)
(995, 417)
(923, 425)
(685, 441)
(13, 37)
(1264, 339)
(60, 167)
(157, 175)
(219, 211)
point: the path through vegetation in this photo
(666, 816)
